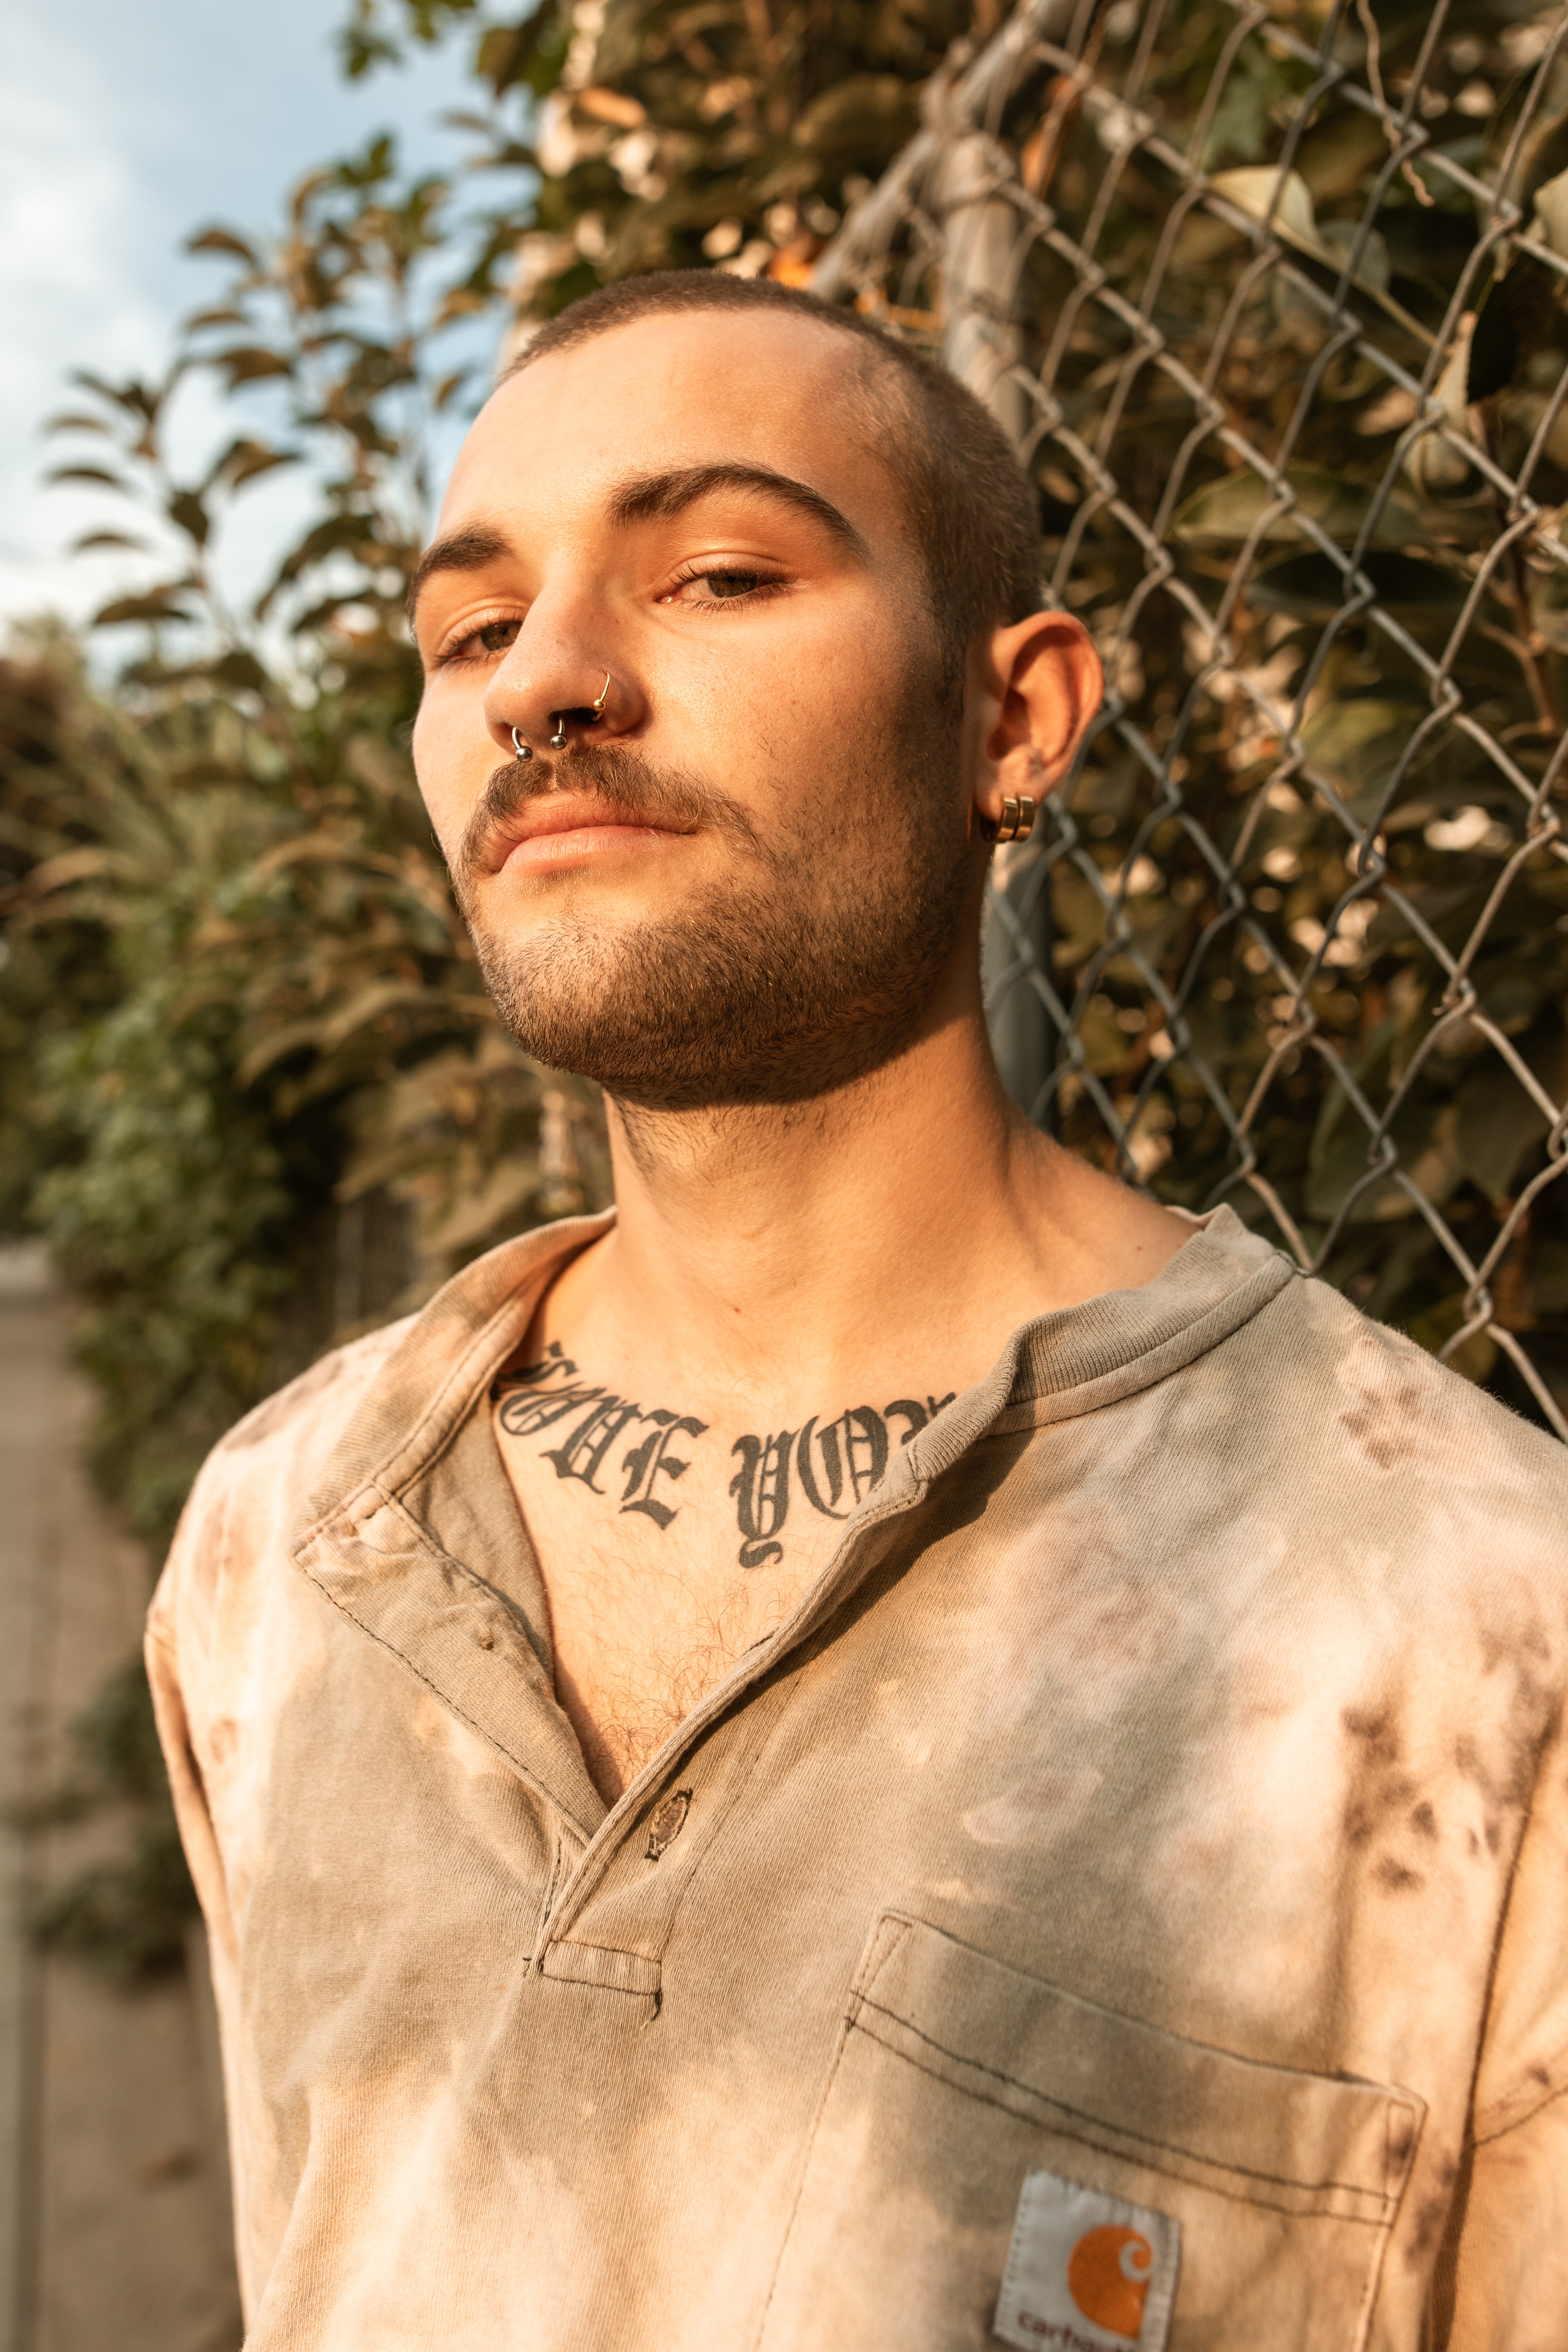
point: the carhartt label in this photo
(1087, 2273)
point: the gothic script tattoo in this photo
(834, 1464)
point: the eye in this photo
(728, 585)
(483, 644)
(496, 636)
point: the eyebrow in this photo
(460, 551)
(651, 495)
(648, 497)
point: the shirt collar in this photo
(378, 1535)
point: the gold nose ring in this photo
(594, 712)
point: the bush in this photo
(240, 1027)
(249, 1085)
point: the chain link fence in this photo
(1270, 298)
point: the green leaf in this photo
(216, 239)
(532, 51)
(1517, 319)
(866, 114)
(249, 363)
(155, 605)
(1231, 509)
(361, 51)
(1358, 742)
(1341, 151)
(89, 473)
(240, 668)
(187, 512)
(1549, 1278)
(137, 399)
(1499, 1122)
(1312, 585)
(244, 459)
(1428, 1155)
(336, 534)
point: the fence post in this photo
(981, 340)
(983, 344)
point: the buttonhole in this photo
(666, 1822)
(487, 1640)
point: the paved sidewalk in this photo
(114, 2231)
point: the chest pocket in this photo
(956, 2075)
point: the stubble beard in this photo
(812, 964)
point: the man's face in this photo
(746, 880)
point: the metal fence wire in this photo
(1271, 299)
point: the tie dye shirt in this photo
(1125, 1903)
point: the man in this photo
(896, 1746)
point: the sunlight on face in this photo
(743, 880)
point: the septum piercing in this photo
(596, 712)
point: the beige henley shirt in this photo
(1156, 1814)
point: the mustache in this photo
(622, 779)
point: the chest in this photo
(663, 1559)
(1003, 1827)
(670, 1541)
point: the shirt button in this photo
(666, 1822)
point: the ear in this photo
(1042, 685)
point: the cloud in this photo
(121, 129)
(74, 226)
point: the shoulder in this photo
(308, 1415)
(294, 1430)
(1392, 1467)
(249, 1490)
(1387, 1403)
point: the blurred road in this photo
(114, 2228)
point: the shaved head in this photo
(969, 501)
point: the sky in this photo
(121, 129)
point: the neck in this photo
(913, 1215)
(759, 1227)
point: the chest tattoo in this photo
(833, 1463)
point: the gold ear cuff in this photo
(1017, 819)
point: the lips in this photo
(553, 816)
(597, 806)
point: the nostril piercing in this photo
(524, 751)
(590, 713)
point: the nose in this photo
(582, 714)
(551, 708)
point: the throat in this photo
(636, 1461)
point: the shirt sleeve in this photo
(178, 1639)
(1501, 2284)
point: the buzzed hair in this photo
(971, 503)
